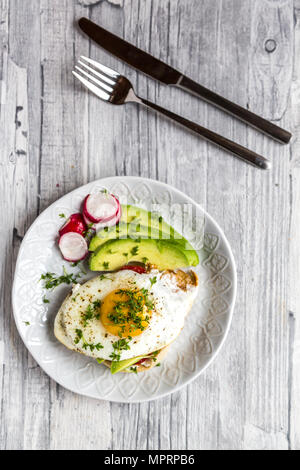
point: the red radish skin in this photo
(102, 225)
(75, 223)
(100, 207)
(88, 222)
(73, 247)
(110, 223)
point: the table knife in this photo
(157, 69)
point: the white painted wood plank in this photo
(267, 236)
(294, 252)
(64, 167)
(14, 173)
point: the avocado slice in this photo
(135, 216)
(124, 230)
(118, 366)
(155, 228)
(114, 254)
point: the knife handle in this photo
(234, 109)
(234, 148)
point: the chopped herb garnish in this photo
(158, 365)
(134, 369)
(134, 250)
(51, 280)
(62, 216)
(91, 313)
(115, 357)
(105, 265)
(160, 219)
(102, 276)
(27, 323)
(74, 298)
(85, 344)
(46, 301)
(120, 345)
(144, 260)
(153, 281)
(130, 311)
(89, 231)
(125, 254)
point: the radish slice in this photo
(75, 223)
(100, 207)
(73, 247)
(102, 225)
(110, 223)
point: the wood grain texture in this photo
(55, 137)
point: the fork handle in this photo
(237, 150)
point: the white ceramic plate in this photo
(206, 326)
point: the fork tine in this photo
(98, 92)
(102, 68)
(103, 77)
(95, 80)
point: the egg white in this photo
(171, 305)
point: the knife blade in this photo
(155, 68)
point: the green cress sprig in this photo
(85, 344)
(91, 312)
(51, 280)
(120, 345)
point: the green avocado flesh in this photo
(124, 230)
(118, 366)
(114, 254)
(139, 224)
(135, 215)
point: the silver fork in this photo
(116, 89)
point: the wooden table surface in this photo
(56, 137)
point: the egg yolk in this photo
(126, 313)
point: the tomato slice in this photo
(140, 362)
(137, 269)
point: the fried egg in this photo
(122, 315)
